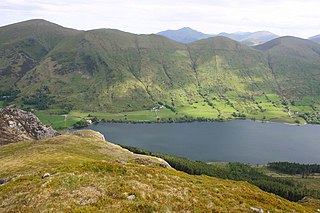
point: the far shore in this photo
(196, 120)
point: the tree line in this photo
(295, 168)
(284, 187)
(8, 96)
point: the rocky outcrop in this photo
(90, 134)
(124, 156)
(18, 125)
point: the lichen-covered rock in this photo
(18, 125)
(89, 133)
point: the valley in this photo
(122, 106)
(119, 76)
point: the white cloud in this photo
(285, 17)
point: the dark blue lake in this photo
(233, 141)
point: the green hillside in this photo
(24, 45)
(295, 66)
(113, 74)
(87, 174)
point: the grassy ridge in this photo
(91, 175)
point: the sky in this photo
(299, 18)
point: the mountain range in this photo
(113, 71)
(188, 35)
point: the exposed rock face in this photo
(17, 125)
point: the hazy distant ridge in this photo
(184, 35)
(188, 35)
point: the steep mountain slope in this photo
(184, 35)
(225, 66)
(23, 46)
(295, 64)
(130, 72)
(124, 71)
(82, 172)
(18, 125)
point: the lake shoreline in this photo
(194, 121)
(245, 141)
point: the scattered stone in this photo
(86, 202)
(131, 197)
(3, 181)
(121, 161)
(144, 161)
(164, 165)
(46, 175)
(304, 200)
(256, 209)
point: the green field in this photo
(268, 107)
(198, 110)
(264, 108)
(57, 121)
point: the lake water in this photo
(233, 141)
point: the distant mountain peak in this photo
(186, 28)
(184, 35)
(35, 22)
